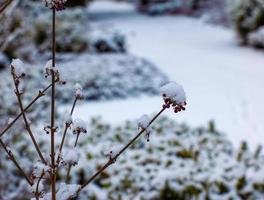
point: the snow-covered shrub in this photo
(212, 11)
(248, 16)
(256, 38)
(106, 41)
(15, 34)
(72, 32)
(106, 77)
(74, 3)
(179, 162)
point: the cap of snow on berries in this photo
(79, 126)
(55, 4)
(174, 95)
(79, 91)
(18, 67)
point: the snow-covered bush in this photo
(107, 41)
(256, 38)
(72, 32)
(179, 162)
(213, 11)
(15, 34)
(106, 77)
(248, 16)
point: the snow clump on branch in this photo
(174, 95)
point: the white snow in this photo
(71, 157)
(79, 126)
(224, 81)
(143, 121)
(65, 192)
(40, 168)
(113, 151)
(79, 91)
(68, 119)
(19, 66)
(174, 91)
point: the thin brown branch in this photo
(112, 160)
(37, 194)
(40, 94)
(13, 159)
(5, 5)
(70, 166)
(53, 129)
(27, 125)
(67, 126)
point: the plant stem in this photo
(53, 129)
(70, 166)
(40, 94)
(13, 159)
(5, 5)
(112, 160)
(67, 126)
(27, 125)
(37, 194)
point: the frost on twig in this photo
(113, 152)
(40, 168)
(174, 95)
(49, 69)
(143, 123)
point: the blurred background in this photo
(121, 52)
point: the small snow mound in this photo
(19, 66)
(143, 121)
(174, 92)
(111, 153)
(79, 126)
(71, 157)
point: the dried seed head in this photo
(55, 4)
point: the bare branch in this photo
(40, 94)
(27, 125)
(5, 5)
(112, 160)
(13, 159)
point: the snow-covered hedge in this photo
(248, 16)
(214, 11)
(103, 77)
(179, 162)
(25, 32)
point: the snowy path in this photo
(223, 81)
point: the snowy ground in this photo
(223, 81)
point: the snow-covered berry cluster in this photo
(174, 95)
(143, 123)
(55, 4)
(18, 70)
(79, 126)
(49, 69)
(70, 158)
(19, 67)
(68, 119)
(79, 91)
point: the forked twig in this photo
(113, 159)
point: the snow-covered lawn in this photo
(223, 81)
